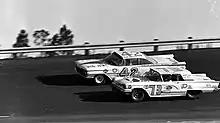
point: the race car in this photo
(165, 82)
(122, 63)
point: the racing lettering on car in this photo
(114, 70)
(90, 66)
(122, 63)
(134, 70)
(184, 86)
(105, 71)
(155, 89)
(159, 83)
(168, 87)
(125, 71)
(131, 54)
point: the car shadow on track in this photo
(101, 96)
(109, 96)
(64, 80)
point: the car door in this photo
(172, 86)
(130, 68)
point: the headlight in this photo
(129, 86)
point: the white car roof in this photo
(168, 58)
(130, 54)
(171, 70)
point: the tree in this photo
(64, 37)
(41, 37)
(21, 41)
(56, 40)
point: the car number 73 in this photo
(155, 88)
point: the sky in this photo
(108, 21)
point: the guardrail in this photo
(121, 46)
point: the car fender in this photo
(94, 73)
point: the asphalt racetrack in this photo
(48, 89)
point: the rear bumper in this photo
(216, 89)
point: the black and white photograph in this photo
(109, 61)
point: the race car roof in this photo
(131, 54)
(168, 58)
(171, 70)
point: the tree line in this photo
(41, 38)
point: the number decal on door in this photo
(133, 71)
(159, 88)
(156, 88)
(125, 71)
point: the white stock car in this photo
(122, 63)
(165, 82)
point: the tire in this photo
(100, 79)
(137, 95)
(193, 94)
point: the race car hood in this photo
(92, 64)
(124, 80)
(89, 61)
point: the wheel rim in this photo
(138, 95)
(99, 79)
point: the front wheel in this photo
(100, 79)
(137, 95)
(193, 94)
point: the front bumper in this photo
(118, 89)
(82, 72)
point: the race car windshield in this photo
(114, 59)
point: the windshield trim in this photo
(116, 63)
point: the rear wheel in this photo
(137, 95)
(193, 94)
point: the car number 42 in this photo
(126, 72)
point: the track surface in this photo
(49, 88)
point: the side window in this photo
(127, 62)
(167, 77)
(144, 61)
(123, 63)
(131, 62)
(152, 76)
(177, 77)
(156, 78)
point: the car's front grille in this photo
(81, 71)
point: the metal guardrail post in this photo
(86, 50)
(121, 48)
(190, 46)
(14, 55)
(156, 47)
